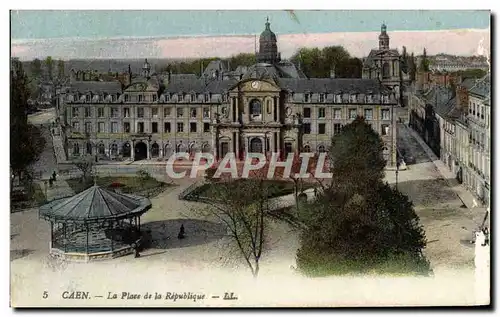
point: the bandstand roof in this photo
(94, 204)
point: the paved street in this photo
(47, 161)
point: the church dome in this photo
(267, 35)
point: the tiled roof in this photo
(94, 204)
(482, 87)
(369, 61)
(333, 85)
(110, 87)
(200, 86)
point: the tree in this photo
(412, 67)
(36, 68)
(424, 63)
(242, 206)
(49, 64)
(26, 141)
(360, 224)
(317, 63)
(243, 59)
(60, 69)
(404, 61)
(85, 164)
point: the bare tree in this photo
(85, 164)
(242, 206)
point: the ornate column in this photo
(237, 150)
(278, 108)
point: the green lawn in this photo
(278, 188)
(127, 184)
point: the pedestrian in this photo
(315, 192)
(54, 175)
(181, 233)
(136, 249)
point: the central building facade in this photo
(268, 107)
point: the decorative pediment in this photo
(141, 87)
(257, 85)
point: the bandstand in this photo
(95, 224)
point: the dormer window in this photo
(88, 97)
(127, 98)
(141, 98)
(167, 97)
(193, 97)
(155, 97)
(353, 98)
(307, 97)
(180, 97)
(224, 97)
(207, 98)
(338, 98)
(255, 110)
(321, 97)
(369, 98)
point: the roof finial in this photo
(267, 19)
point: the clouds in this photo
(359, 44)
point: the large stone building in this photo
(270, 106)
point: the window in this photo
(88, 112)
(206, 127)
(114, 127)
(368, 114)
(321, 149)
(167, 97)
(75, 112)
(76, 149)
(386, 115)
(180, 112)
(268, 106)
(100, 127)
(166, 127)
(321, 113)
(337, 114)
(155, 97)
(369, 98)
(306, 149)
(140, 112)
(352, 114)
(141, 98)
(126, 127)
(154, 112)
(192, 98)
(127, 98)
(255, 109)
(192, 127)
(307, 128)
(353, 98)
(207, 98)
(100, 112)
(193, 113)
(88, 98)
(337, 128)
(307, 112)
(76, 126)
(385, 129)
(114, 112)
(307, 97)
(140, 127)
(101, 149)
(126, 112)
(166, 112)
(154, 127)
(338, 98)
(180, 97)
(88, 148)
(206, 112)
(114, 149)
(321, 97)
(88, 127)
(180, 127)
(321, 128)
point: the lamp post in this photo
(397, 172)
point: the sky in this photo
(133, 34)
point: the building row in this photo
(456, 124)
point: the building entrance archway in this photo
(141, 151)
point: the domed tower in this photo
(383, 39)
(268, 48)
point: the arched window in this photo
(307, 148)
(114, 149)
(386, 73)
(76, 149)
(268, 106)
(255, 110)
(100, 148)
(321, 149)
(126, 150)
